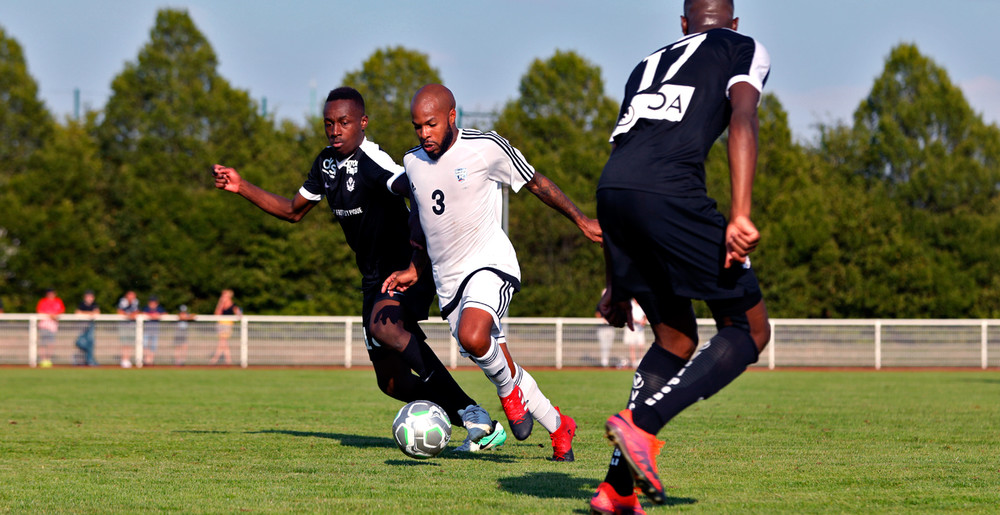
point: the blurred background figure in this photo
(51, 306)
(184, 318)
(225, 306)
(635, 338)
(86, 341)
(151, 329)
(605, 336)
(128, 307)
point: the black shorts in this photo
(665, 249)
(416, 303)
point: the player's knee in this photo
(389, 335)
(761, 334)
(475, 340)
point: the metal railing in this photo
(539, 342)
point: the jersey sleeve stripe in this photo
(382, 159)
(309, 195)
(760, 69)
(520, 164)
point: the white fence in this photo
(535, 342)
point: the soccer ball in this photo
(421, 429)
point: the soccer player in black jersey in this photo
(666, 243)
(355, 175)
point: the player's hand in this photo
(742, 238)
(401, 280)
(226, 178)
(592, 230)
(618, 314)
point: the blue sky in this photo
(825, 55)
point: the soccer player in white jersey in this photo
(355, 175)
(665, 241)
(456, 176)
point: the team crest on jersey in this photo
(330, 167)
(461, 174)
(350, 182)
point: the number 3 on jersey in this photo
(438, 197)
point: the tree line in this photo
(894, 214)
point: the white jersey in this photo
(460, 201)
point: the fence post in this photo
(138, 340)
(770, 346)
(878, 345)
(984, 344)
(33, 341)
(559, 344)
(453, 354)
(349, 343)
(244, 342)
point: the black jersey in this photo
(373, 218)
(676, 105)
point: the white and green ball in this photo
(421, 429)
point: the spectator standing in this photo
(184, 317)
(605, 336)
(635, 336)
(86, 341)
(51, 306)
(225, 306)
(153, 311)
(128, 307)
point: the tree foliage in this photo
(388, 79)
(893, 215)
(560, 122)
(25, 123)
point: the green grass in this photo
(229, 440)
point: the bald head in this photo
(702, 15)
(436, 94)
(433, 113)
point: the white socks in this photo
(494, 365)
(537, 403)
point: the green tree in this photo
(170, 116)
(561, 122)
(929, 167)
(25, 124)
(924, 140)
(388, 79)
(56, 214)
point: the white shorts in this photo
(489, 292)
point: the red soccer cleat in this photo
(517, 416)
(562, 438)
(639, 449)
(607, 501)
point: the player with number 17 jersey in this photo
(674, 109)
(460, 201)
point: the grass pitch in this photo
(279, 440)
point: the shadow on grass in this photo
(557, 485)
(344, 439)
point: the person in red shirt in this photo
(52, 306)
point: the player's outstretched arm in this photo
(742, 236)
(290, 210)
(547, 191)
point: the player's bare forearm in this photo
(290, 210)
(549, 193)
(743, 127)
(742, 236)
